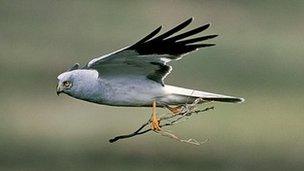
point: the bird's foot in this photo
(175, 110)
(154, 119)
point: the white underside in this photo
(142, 92)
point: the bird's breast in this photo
(131, 92)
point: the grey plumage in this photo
(134, 75)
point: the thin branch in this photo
(186, 111)
(132, 134)
(189, 141)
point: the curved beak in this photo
(59, 89)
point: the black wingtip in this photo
(174, 30)
(205, 45)
(148, 37)
(189, 33)
(190, 19)
(211, 36)
(207, 25)
(176, 45)
(158, 29)
(187, 22)
(198, 39)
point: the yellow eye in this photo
(67, 84)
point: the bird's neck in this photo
(89, 87)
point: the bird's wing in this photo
(149, 56)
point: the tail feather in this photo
(201, 94)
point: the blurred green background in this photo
(259, 56)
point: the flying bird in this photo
(134, 76)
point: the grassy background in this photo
(259, 56)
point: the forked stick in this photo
(187, 111)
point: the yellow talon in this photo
(175, 110)
(154, 119)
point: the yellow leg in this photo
(154, 118)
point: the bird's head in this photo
(65, 83)
(76, 83)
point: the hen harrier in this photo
(134, 75)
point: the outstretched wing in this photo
(149, 56)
